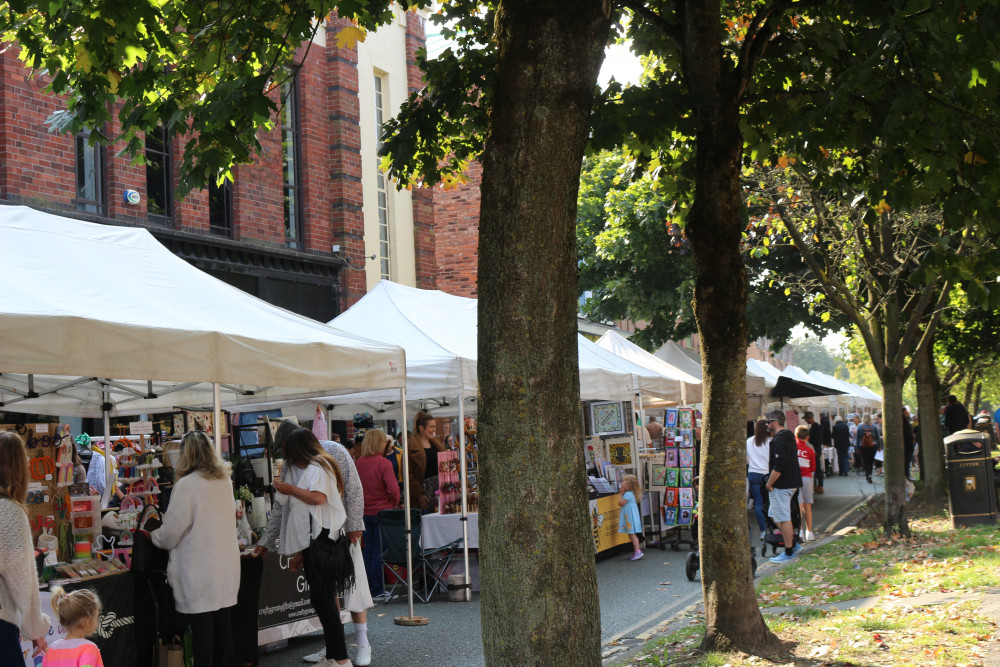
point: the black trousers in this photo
(212, 638)
(868, 457)
(325, 605)
(818, 473)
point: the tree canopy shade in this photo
(636, 263)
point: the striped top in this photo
(72, 653)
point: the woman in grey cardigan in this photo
(20, 606)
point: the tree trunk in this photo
(931, 451)
(975, 398)
(967, 396)
(892, 445)
(539, 587)
(714, 227)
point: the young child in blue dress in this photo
(629, 520)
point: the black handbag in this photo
(328, 563)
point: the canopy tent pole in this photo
(464, 472)
(109, 482)
(217, 415)
(410, 619)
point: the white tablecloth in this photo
(439, 529)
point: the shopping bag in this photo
(172, 653)
(880, 455)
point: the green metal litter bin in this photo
(972, 497)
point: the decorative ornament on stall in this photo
(319, 425)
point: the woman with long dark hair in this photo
(20, 605)
(758, 453)
(313, 509)
(422, 449)
(199, 531)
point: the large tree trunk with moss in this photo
(714, 227)
(539, 586)
(931, 450)
(892, 444)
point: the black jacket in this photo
(841, 435)
(956, 418)
(785, 459)
(816, 438)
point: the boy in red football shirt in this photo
(807, 465)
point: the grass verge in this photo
(869, 599)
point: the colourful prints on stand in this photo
(686, 417)
(670, 497)
(671, 418)
(671, 457)
(687, 477)
(659, 475)
(685, 497)
(673, 475)
(686, 458)
(684, 517)
(669, 516)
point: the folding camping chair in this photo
(433, 562)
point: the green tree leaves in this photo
(208, 71)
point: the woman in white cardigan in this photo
(199, 531)
(20, 606)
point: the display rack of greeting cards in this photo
(671, 478)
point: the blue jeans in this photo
(757, 480)
(372, 552)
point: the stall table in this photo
(437, 530)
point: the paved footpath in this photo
(638, 599)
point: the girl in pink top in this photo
(807, 465)
(378, 480)
(78, 613)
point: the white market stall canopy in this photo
(689, 362)
(89, 308)
(686, 386)
(854, 396)
(439, 333)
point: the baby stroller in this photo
(772, 534)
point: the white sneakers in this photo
(806, 535)
(363, 658)
(314, 658)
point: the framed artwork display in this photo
(620, 453)
(607, 418)
(684, 516)
(672, 477)
(670, 418)
(687, 477)
(686, 417)
(670, 497)
(669, 516)
(685, 497)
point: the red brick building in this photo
(310, 226)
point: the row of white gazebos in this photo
(103, 321)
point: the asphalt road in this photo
(636, 597)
